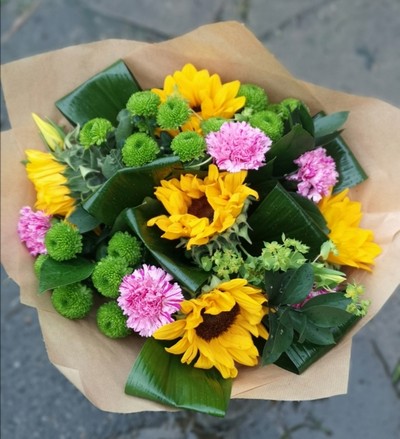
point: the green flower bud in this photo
(72, 301)
(173, 113)
(281, 110)
(256, 97)
(107, 275)
(139, 149)
(38, 264)
(188, 146)
(268, 122)
(63, 241)
(212, 125)
(95, 132)
(291, 103)
(143, 103)
(123, 245)
(111, 321)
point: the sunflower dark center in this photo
(213, 326)
(201, 208)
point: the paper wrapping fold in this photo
(98, 366)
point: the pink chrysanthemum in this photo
(316, 175)
(149, 298)
(32, 228)
(237, 146)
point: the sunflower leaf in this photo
(280, 336)
(327, 310)
(297, 284)
(176, 384)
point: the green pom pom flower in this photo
(188, 146)
(143, 103)
(256, 98)
(72, 301)
(63, 241)
(108, 274)
(95, 132)
(268, 122)
(124, 245)
(111, 321)
(139, 149)
(212, 125)
(173, 113)
(38, 264)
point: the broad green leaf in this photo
(272, 286)
(325, 125)
(297, 284)
(161, 377)
(302, 116)
(127, 188)
(280, 337)
(288, 148)
(55, 274)
(102, 95)
(125, 127)
(327, 310)
(312, 211)
(300, 356)
(280, 213)
(164, 251)
(83, 220)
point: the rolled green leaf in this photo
(190, 277)
(280, 213)
(127, 188)
(103, 95)
(161, 377)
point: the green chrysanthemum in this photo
(72, 301)
(188, 146)
(281, 110)
(107, 275)
(111, 321)
(95, 132)
(63, 241)
(139, 149)
(143, 103)
(124, 245)
(256, 98)
(38, 264)
(212, 125)
(291, 103)
(173, 113)
(268, 122)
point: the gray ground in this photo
(348, 45)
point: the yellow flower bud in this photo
(51, 135)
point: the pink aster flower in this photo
(32, 228)
(149, 298)
(316, 174)
(238, 146)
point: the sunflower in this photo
(200, 209)
(205, 94)
(355, 245)
(217, 328)
(52, 192)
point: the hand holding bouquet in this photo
(204, 218)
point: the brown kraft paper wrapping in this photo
(99, 366)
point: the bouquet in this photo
(202, 223)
